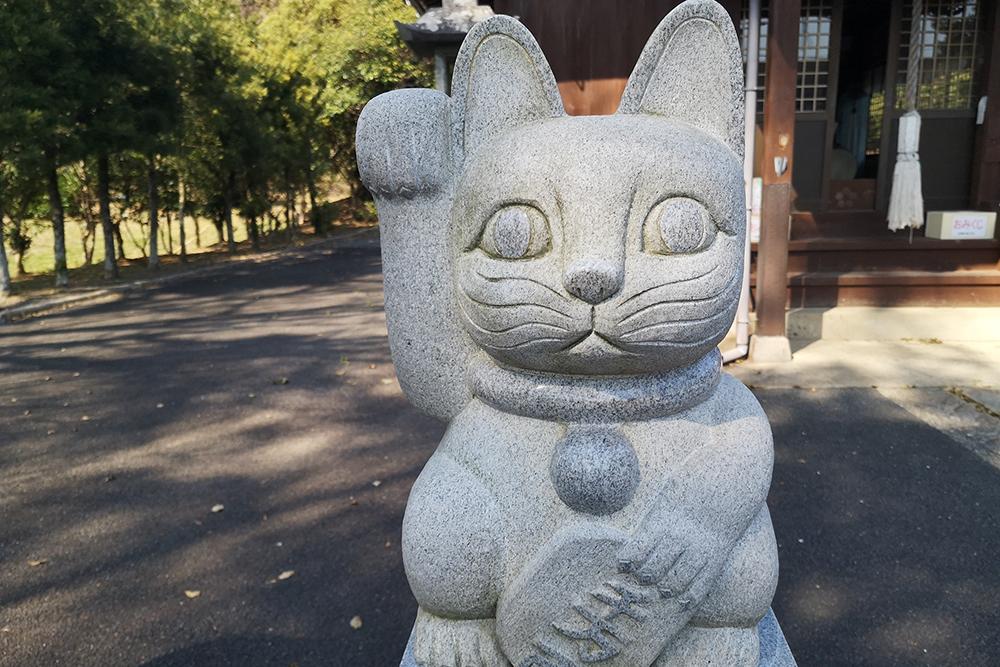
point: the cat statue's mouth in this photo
(594, 345)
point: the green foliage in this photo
(248, 103)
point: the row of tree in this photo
(117, 108)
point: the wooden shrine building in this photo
(831, 80)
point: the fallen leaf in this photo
(218, 508)
(192, 594)
(371, 365)
(85, 418)
(280, 381)
(37, 562)
(356, 623)
(388, 544)
(377, 483)
(27, 413)
(159, 405)
(76, 375)
(387, 380)
(354, 501)
(287, 574)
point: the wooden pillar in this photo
(986, 162)
(779, 134)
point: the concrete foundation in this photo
(770, 349)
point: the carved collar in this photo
(594, 399)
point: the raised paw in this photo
(402, 143)
(446, 642)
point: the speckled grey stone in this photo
(556, 288)
(594, 469)
(774, 651)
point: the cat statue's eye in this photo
(677, 225)
(516, 232)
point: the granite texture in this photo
(556, 288)
(774, 651)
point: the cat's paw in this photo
(446, 642)
(683, 560)
(402, 143)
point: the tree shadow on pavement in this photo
(888, 534)
(269, 390)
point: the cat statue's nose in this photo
(593, 280)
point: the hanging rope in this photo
(914, 56)
(906, 200)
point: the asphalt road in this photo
(268, 390)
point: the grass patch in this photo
(38, 280)
(40, 257)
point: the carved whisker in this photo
(501, 279)
(705, 299)
(671, 342)
(676, 282)
(515, 327)
(694, 320)
(658, 304)
(527, 342)
(526, 304)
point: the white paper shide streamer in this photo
(906, 201)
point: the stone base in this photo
(774, 651)
(770, 349)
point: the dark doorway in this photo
(860, 106)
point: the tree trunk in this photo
(168, 232)
(89, 241)
(154, 205)
(120, 240)
(58, 222)
(17, 234)
(104, 204)
(181, 203)
(315, 214)
(4, 268)
(289, 204)
(253, 232)
(228, 212)
(219, 227)
(300, 211)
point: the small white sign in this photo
(969, 227)
(960, 224)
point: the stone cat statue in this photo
(555, 288)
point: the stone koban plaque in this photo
(555, 289)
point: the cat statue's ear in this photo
(410, 147)
(501, 80)
(691, 70)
